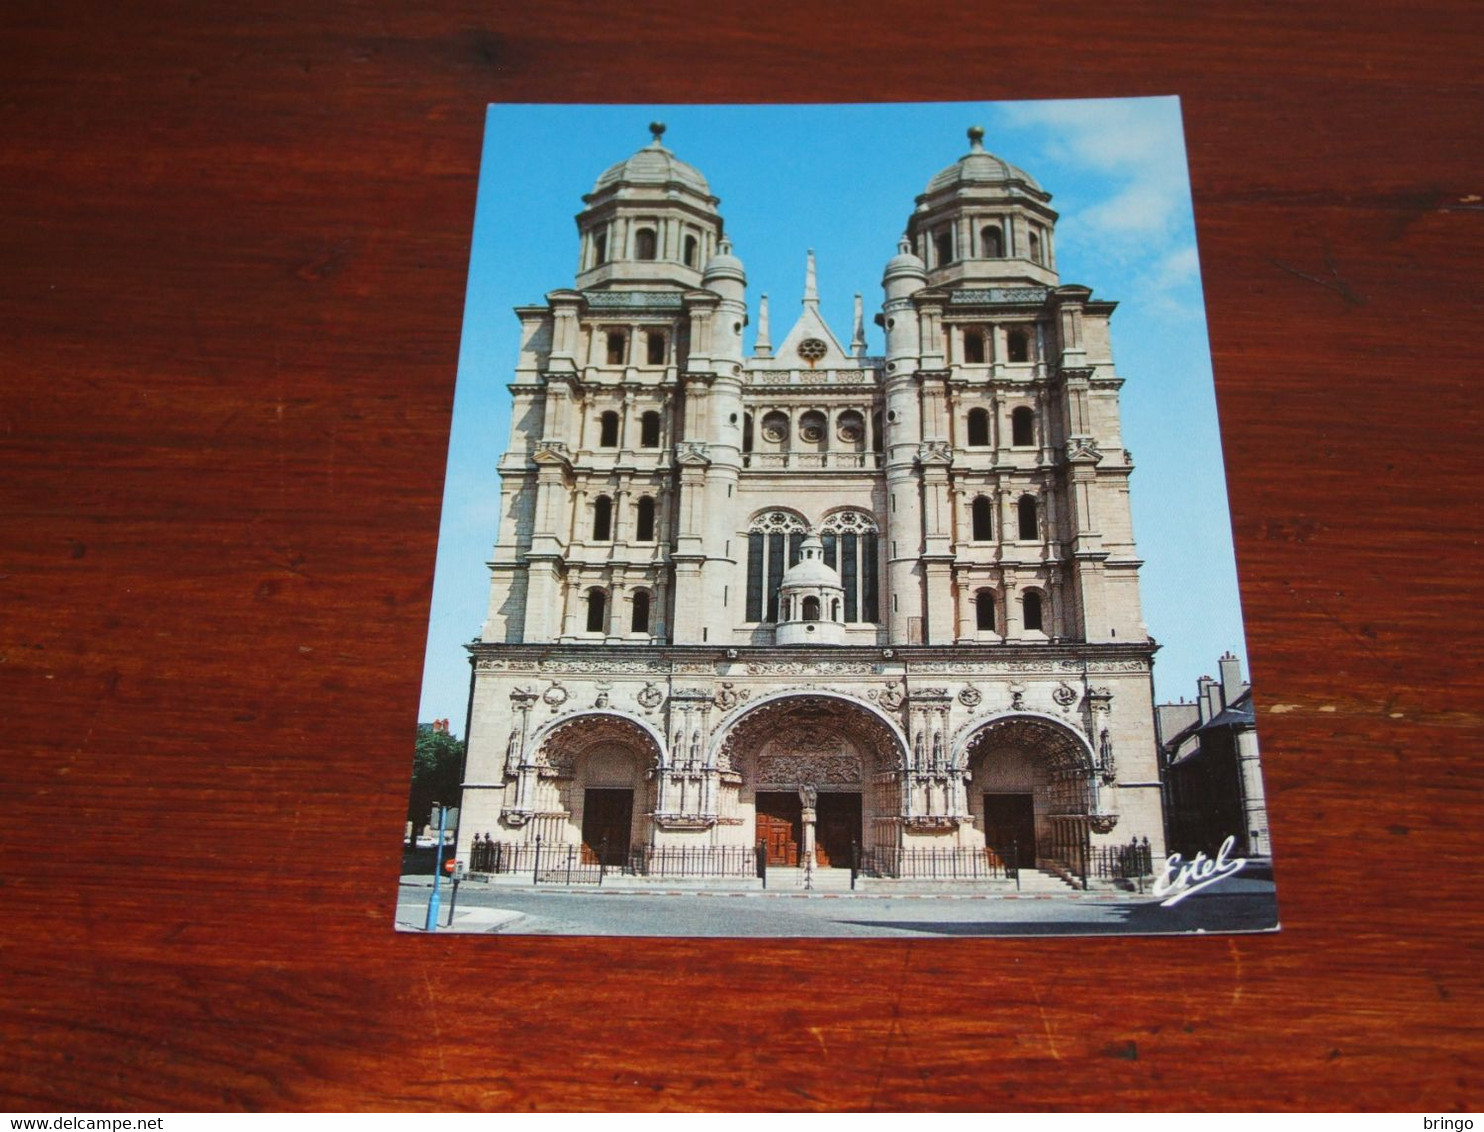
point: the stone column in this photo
(808, 815)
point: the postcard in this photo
(797, 575)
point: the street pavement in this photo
(1235, 904)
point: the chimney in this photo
(1209, 698)
(1232, 684)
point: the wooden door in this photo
(1010, 821)
(780, 826)
(607, 819)
(837, 829)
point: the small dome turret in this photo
(905, 272)
(724, 265)
(810, 599)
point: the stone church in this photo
(804, 597)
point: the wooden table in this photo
(232, 257)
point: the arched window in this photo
(1017, 346)
(1035, 247)
(1029, 529)
(991, 242)
(649, 430)
(774, 542)
(608, 430)
(692, 251)
(943, 248)
(811, 609)
(600, 248)
(835, 608)
(978, 428)
(644, 526)
(746, 432)
(983, 511)
(644, 244)
(984, 611)
(597, 610)
(639, 619)
(617, 347)
(850, 549)
(602, 519)
(1023, 427)
(973, 347)
(877, 443)
(1031, 610)
(654, 348)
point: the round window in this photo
(812, 349)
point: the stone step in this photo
(821, 880)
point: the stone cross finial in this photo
(976, 137)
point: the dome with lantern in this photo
(980, 167)
(653, 165)
(650, 223)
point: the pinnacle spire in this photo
(811, 289)
(763, 346)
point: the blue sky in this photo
(841, 180)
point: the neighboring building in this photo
(1209, 759)
(804, 596)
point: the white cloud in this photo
(1134, 146)
(1141, 210)
(1181, 266)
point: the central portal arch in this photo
(814, 774)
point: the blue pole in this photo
(432, 924)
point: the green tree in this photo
(437, 762)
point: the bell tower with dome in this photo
(845, 607)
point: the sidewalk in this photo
(867, 888)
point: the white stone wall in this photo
(675, 696)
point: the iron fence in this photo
(579, 864)
(694, 861)
(544, 864)
(1133, 861)
(959, 863)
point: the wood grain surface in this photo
(233, 242)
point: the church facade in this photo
(800, 596)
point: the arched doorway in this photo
(594, 771)
(1031, 790)
(818, 775)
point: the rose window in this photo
(812, 349)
